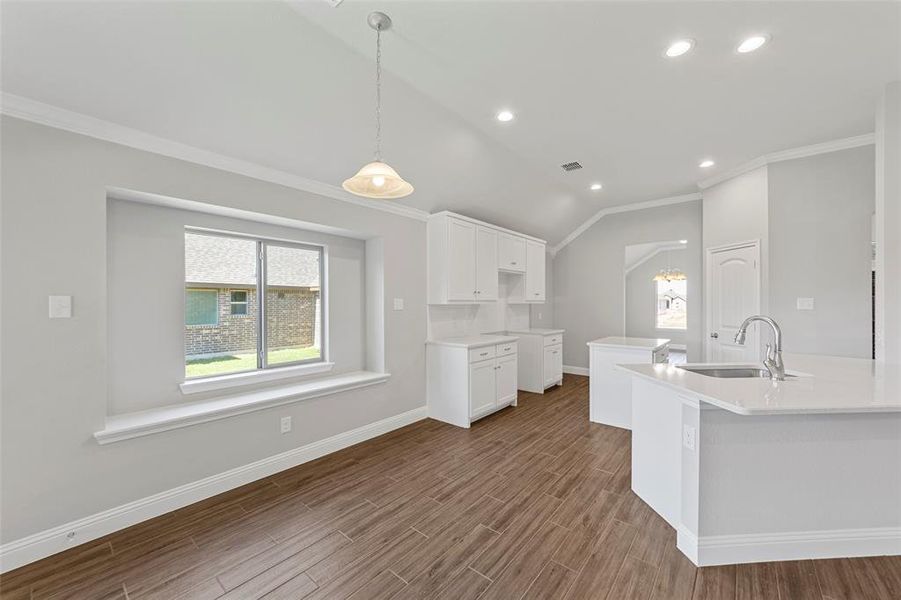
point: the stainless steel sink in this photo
(729, 372)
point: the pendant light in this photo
(378, 179)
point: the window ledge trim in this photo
(224, 382)
(138, 424)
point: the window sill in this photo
(137, 424)
(224, 382)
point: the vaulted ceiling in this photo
(288, 85)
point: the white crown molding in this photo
(790, 154)
(652, 254)
(621, 209)
(60, 118)
(45, 543)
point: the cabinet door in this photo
(534, 272)
(486, 264)
(511, 252)
(553, 364)
(461, 260)
(506, 380)
(482, 387)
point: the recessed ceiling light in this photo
(504, 116)
(706, 164)
(679, 47)
(595, 187)
(683, 241)
(752, 43)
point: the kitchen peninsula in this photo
(747, 469)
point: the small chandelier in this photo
(378, 179)
(669, 274)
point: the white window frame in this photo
(263, 371)
(657, 299)
(246, 303)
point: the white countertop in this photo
(535, 331)
(824, 384)
(473, 341)
(630, 342)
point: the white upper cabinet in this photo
(511, 251)
(535, 266)
(465, 257)
(461, 250)
(486, 264)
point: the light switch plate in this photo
(398, 304)
(805, 303)
(688, 437)
(60, 307)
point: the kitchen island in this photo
(747, 469)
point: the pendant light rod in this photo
(380, 22)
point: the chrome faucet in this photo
(773, 360)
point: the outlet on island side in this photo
(286, 424)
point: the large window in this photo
(250, 304)
(672, 311)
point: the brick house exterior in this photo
(291, 318)
(223, 266)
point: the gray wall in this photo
(56, 372)
(820, 211)
(641, 296)
(588, 275)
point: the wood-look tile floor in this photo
(533, 502)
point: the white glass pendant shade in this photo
(378, 180)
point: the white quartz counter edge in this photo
(536, 331)
(601, 344)
(474, 341)
(689, 382)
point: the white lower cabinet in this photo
(540, 359)
(482, 387)
(464, 384)
(553, 365)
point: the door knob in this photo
(714, 335)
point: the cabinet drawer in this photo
(505, 349)
(477, 354)
(553, 340)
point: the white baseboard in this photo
(45, 543)
(575, 370)
(839, 543)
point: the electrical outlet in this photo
(688, 437)
(286, 424)
(60, 307)
(398, 304)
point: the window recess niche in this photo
(466, 257)
(147, 300)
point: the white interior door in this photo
(486, 264)
(461, 260)
(733, 294)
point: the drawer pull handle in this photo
(507, 348)
(513, 263)
(483, 354)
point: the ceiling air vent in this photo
(571, 166)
